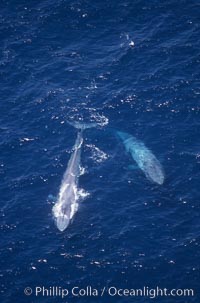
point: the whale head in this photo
(123, 136)
(62, 222)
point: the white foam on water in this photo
(100, 119)
(82, 170)
(82, 194)
(98, 155)
(87, 115)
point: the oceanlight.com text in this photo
(111, 291)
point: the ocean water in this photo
(135, 66)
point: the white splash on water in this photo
(99, 119)
(82, 194)
(82, 170)
(98, 155)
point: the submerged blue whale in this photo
(144, 158)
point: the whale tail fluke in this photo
(82, 125)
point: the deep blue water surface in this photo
(135, 63)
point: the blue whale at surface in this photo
(67, 203)
(144, 158)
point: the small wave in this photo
(194, 154)
(26, 139)
(126, 40)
